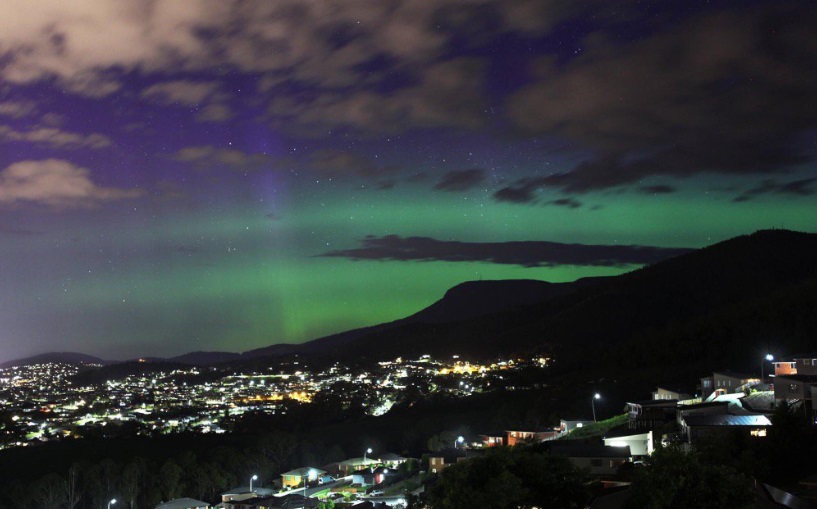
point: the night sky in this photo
(179, 176)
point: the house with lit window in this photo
(296, 478)
(566, 426)
(703, 425)
(439, 461)
(794, 387)
(801, 364)
(513, 437)
(727, 382)
(492, 439)
(664, 393)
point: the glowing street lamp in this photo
(112, 501)
(367, 451)
(459, 440)
(253, 478)
(769, 357)
(312, 473)
(593, 404)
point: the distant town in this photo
(729, 411)
(50, 401)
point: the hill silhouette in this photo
(725, 302)
(725, 305)
(55, 357)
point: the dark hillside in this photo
(694, 299)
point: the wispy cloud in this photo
(55, 138)
(55, 183)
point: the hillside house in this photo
(793, 387)
(639, 444)
(299, 476)
(566, 426)
(512, 437)
(492, 439)
(650, 414)
(183, 503)
(700, 426)
(661, 393)
(801, 364)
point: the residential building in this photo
(727, 382)
(663, 393)
(801, 364)
(639, 444)
(492, 439)
(700, 426)
(183, 503)
(650, 414)
(354, 464)
(298, 477)
(792, 387)
(512, 437)
(566, 426)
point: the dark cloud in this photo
(801, 187)
(723, 93)
(657, 189)
(567, 202)
(525, 253)
(521, 191)
(461, 180)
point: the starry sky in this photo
(217, 175)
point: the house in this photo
(492, 439)
(566, 426)
(439, 461)
(797, 386)
(373, 477)
(183, 503)
(244, 493)
(706, 387)
(351, 465)
(294, 501)
(700, 426)
(512, 437)
(709, 408)
(801, 364)
(639, 444)
(299, 476)
(650, 414)
(392, 460)
(600, 460)
(663, 393)
(730, 381)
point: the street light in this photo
(309, 474)
(459, 440)
(769, 357)
(253, 478)
(112, 501)
(367, 451)
(593, 404)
